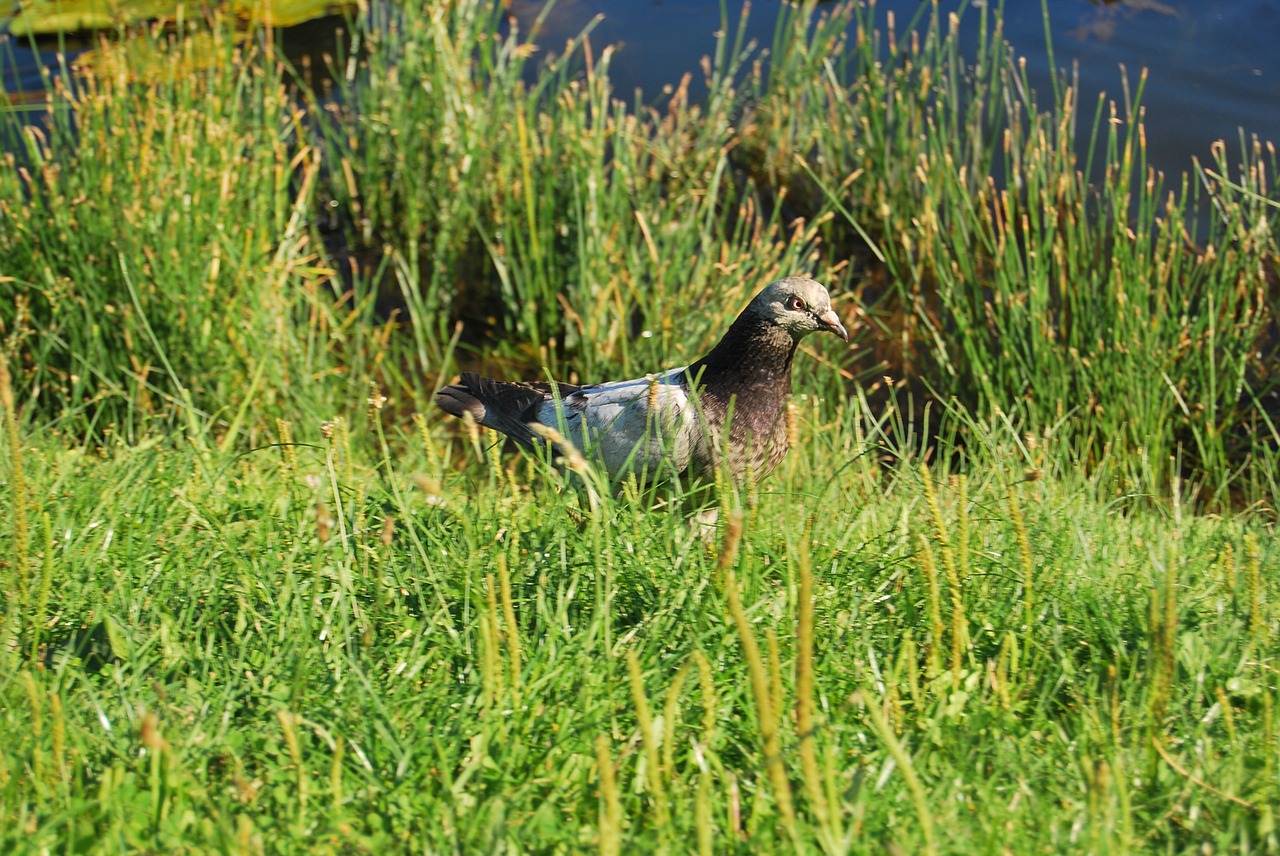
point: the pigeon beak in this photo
(831, 321)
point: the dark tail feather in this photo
(457, 400)
(494, 404)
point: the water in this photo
(1213, 67)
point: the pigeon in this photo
(726, 409)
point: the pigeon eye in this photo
(796, 304)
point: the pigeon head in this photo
(798, 305)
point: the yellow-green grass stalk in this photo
(610, 812)
(492, 641)
(1253, 568)
(512, 637)
(670, 709)
(289, 722)
(20, 583)
(1027, 561)
(959, 623)
(933, 605)
(806, 722)
(762, 687)
(919, 798)
(649, 742)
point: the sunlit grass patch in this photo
(352, 650)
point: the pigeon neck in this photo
(751, 354)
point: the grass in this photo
(1039, 266)
(1018, 596)
(350, 651)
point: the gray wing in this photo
(645, 426)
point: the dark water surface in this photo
(1214, 65)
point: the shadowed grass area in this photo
(257, 599)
